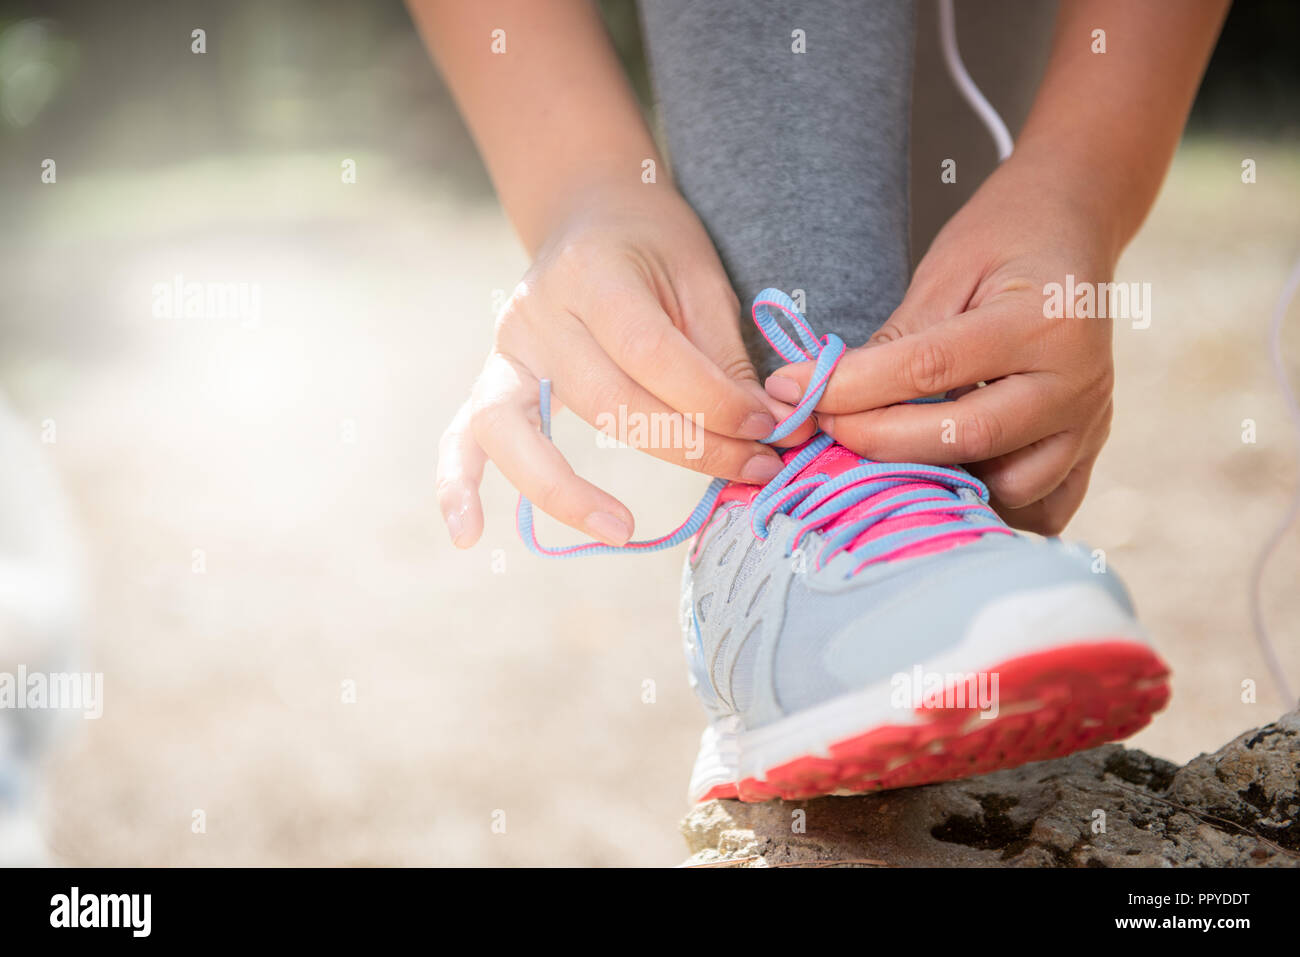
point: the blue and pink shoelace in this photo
(941, 502)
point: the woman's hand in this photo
(1085, 171)
(626, 307)
(975, 313)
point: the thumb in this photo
(711, 321)
(927, 301)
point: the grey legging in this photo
(798, 162)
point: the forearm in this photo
(552, 115)
(1104, 126)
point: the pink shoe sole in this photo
(1050, 704)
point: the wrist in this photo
(560, 192)
(1076, 190)
(597, 192)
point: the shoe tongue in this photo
(835, 460)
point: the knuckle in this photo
(979, 435)
(512, 319)
(1102, 384)
(716, 458)
(641, 345)
(549, 495)
(574, 256)
(886, 333)
(1092, 382)
(1013, 488)
(738, 368)
(488, 415)
(928, 367)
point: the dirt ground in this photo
(296, 455)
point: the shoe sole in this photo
(1050, 703)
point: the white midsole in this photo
(1007, 628)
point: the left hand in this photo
(975, 313)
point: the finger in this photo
(1028, 474)
(459, 475)
(980, 345)
(608, 398)
(505, 421)
(1000, 418)
(935, 294)
(1050, 515)
(711, 320)
(632, 328)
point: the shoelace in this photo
(816, 502)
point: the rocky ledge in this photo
(1108, 807)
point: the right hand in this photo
(627, 304)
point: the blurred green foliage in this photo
(310, 74)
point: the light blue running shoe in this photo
(857, 625)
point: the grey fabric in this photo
(797, 163)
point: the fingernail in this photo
(786, 390)
(455, 526)
(757, 425)
(760, 469)
(608, 528)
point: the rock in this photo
(1108, 807)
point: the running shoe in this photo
(856, 625)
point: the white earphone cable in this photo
(1293, 408)
(957, 70)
